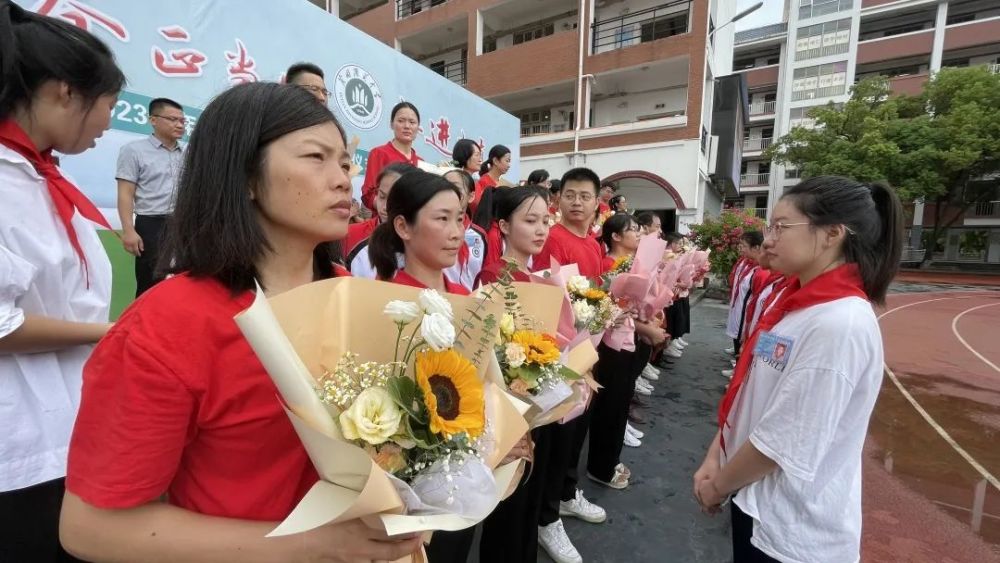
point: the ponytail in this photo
(486, 213)
(383, 246)
(497, 152)
(35, 49)
(873, 218)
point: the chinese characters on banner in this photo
(440, 137)
(82, 16)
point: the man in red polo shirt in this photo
(569, 242)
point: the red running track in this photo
(932, 492)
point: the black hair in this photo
(463, 151)
(615, 225)
(497, 152)
(538, 176)
(556, 186)
(400, 106)
(613, 202)
(609, 185)
(159, 103)
(485, 213)
(214, 230)
(395, 168)
(468, 182)
(753, 238)
(582, 175)
(507, 201)
(302, 68)
(644, 219)
(410, 194)
(873, 217)
(673, 237)
(35, 49)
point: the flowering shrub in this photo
(722, 235)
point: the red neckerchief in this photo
(66, 197)
(402, 278)
(463, 251)
(761, 279)
(843, 281)
(735, 276)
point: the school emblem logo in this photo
(359, 96)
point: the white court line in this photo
(954, 329)
(927, 417)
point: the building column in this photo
(937, 53)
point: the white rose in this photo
(583, 311)
(578, 284)
(433, 302)
(403, 312)
(507, 326)
(515, 355)
(437, 331)
(373, 417)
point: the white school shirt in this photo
(759, 307)
(736, 307)
(811, 418)
(361, 264)
(41, 274)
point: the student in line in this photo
(181, 450)
(475, 247)
(58, 85)
(356, 243)
(750, 249)
(496, 165)
(794, 419)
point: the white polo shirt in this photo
(41, 274)
(810, 416)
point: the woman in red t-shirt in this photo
(405, 123)
(523, 221)
(181, 450)
(468, 156)
(490, 172)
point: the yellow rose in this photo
(373, 417)
(507, 325)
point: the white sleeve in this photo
(361, 266)
(16, 275)
(800, 422)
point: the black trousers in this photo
(679, 317)
(510, 533)
(562, 474)
(150, 229)
(29, 524)
(743, 550)
(450, 547)
(615, 371)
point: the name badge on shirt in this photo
(773, 349)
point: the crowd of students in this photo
(165, 441)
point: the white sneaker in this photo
(727, 373)
(640, 389)
(631, 441)
(672, 352)
(680, 345)
(730, 350)
(629, 429)
(555, 542)
(645, 383)
(651, 373)
(583, 509)
(683, 343)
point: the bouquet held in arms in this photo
(409, 436)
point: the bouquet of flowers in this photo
(411, 435)
(593, 308)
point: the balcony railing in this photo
(755, 145)
(763, 108)
(987, 209)
(406, 8)
(658, 22)
(760, 33)
(761, 179)
(454, 71)
(759, 212)
(994, 68)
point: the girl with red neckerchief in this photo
(794, 418)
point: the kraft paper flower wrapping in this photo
(298, 332)
(543, 307)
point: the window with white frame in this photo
(820, 81)
(815, 8)
(823, 39)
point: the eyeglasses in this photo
(584, 197)
(774, 230)
(175, 120)
(316, 89)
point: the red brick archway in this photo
(659, 181)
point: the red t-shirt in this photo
(567, 248)
(607, 262)
(402, 278)
(485, 181)
(358, 233)
(603, 208)
(494, 246)
(175, 401)
(491, 274)
(379, 158)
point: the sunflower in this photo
(622, 264)
(539, 349)
(594, 294)
(452, 392)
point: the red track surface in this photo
(920, 492)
